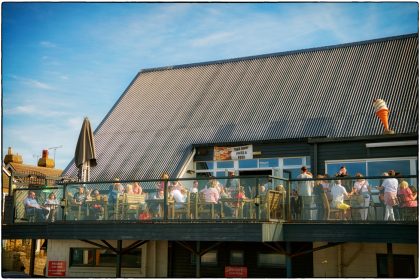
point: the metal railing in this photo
(243, 198)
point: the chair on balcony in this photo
(184, 211)
(203, 208)
(113, 211)
(406, 213)
(74, 210)
(331, 213)
(134, 204)
(273, 204)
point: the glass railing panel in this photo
(353, 199)
(37, 205)
(247, 198)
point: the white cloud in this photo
(47, 44)
(38, 84)
(212, 39)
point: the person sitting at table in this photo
(194, 188)
(240, 195)
(97, 207)
(338, 193)
(129, 189)
(137, 189)
(227, 206)
(155, 207)
(179, 195)
(80, 196)
(51, 204)
(33, 209)
(409, 199)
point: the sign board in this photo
(233, 153)
(57, 268)
(236, 272)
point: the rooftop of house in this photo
(326, 92)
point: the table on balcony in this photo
(237, 206)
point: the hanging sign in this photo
(236, 271)
(233, 153)
(57, 268)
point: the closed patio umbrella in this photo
(84, 156)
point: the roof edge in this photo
(330, 47)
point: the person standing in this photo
(304, 190)
(342, 174)
(390, 187)
(361, 188)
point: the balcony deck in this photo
(261, 216)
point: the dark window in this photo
(204, 165)
(271, 260)
(208, 259)
(236, 257)
(403, 266)
(103, 258)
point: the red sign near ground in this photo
(56, 268)
(236, 271)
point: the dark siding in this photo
(302, 266)
(358, 150)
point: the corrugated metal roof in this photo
(316, 92)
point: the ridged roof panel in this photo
(318, 92)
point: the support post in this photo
(289, 273)
(390, 260)
(119, 255)
(165, 201)
(197, 260)
(32, 259)
(258, 199)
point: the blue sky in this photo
(64, 61)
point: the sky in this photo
(62, 62)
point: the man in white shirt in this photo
(304, 190)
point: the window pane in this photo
(271, 260)
(204, 165)
(209, 258)
(352, 168)
(132, 259)
(269, 162)
(292, 161)
(225, 164)
(250, 163)
(236, 257)
(81, 257)
(377, 168)
(221, 174)
(106, 258)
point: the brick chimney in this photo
(11, 158)
(45, 161)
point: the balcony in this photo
(248, 208)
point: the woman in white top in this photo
(361, 187)
(390, 197)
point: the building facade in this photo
(263, 117)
